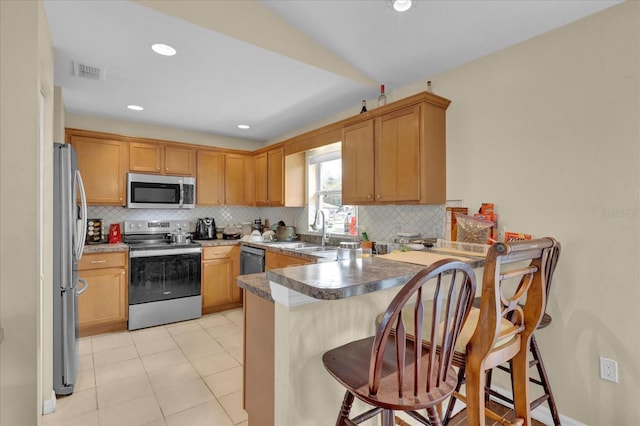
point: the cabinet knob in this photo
(369, 196)
(378, 196)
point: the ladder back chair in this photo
(511, 308)
(389, 371)
(536, 356)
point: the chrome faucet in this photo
(324, 226)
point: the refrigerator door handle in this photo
(82, 232)
(79, 291)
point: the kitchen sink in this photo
(314, 249)
(293, 246)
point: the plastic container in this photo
(349, 251)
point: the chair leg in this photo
(475, 385)
(345, 409)
(434, 416)
(452, 400)
(544, 379)
(388, 418)
(520, 381)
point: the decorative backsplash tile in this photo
(222, 215)
(381, 223)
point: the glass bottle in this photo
(382, 99)
(364, 106)
(429, 89)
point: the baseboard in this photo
(49, 405)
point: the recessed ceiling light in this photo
(163, 49)
(402, 5)
(243, 126)
(135, 107)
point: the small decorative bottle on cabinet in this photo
(382, 99)
(429, 89)
(364, 107)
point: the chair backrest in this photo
(418, 369)
(514, 290)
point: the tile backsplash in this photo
(381, 223)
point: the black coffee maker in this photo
(206, 229)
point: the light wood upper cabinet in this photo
(179, 161)
(357, 163)
(210, 180)
(238, 182)
(395, 158)
(145, 157)
(162, 159)
(103, 164)
(269, 169)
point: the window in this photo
(324, 166)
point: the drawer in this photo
(218, 252)
(102, 260)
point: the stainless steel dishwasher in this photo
(251, 260)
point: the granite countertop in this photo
(256, 284)
(105, 248)
(339, 280)
(217, 243)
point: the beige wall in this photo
(129, 128)
(26, 70)
(549, 130)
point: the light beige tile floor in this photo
(182, 374)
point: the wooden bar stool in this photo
(389, 371)
(501, 328)
(507, 317)
(536, 357)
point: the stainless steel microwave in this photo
(160, 192)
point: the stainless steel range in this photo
(164, 277)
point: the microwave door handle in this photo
(181, 194)
(82, 231)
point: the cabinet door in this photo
(103, 165)
(145, 157)
(235, 181)
(358, 163)
(105, 300)
(397, 156)
(275, 178)
(217, 277)
(179, 161)
(210, 178)
(262, 176)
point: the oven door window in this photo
(156, 278)
(155, 193)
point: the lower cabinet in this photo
(103, 307)
(220, 267)
(277, 260)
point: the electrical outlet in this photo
(609, 370)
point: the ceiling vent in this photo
(87, 71)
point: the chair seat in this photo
(345, 364)
(465, 334)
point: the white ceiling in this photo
(276, 65)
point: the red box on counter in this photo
(516, 236)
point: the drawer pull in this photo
(93, 262)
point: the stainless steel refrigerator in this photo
(69, 229)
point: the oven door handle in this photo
(164, 252)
